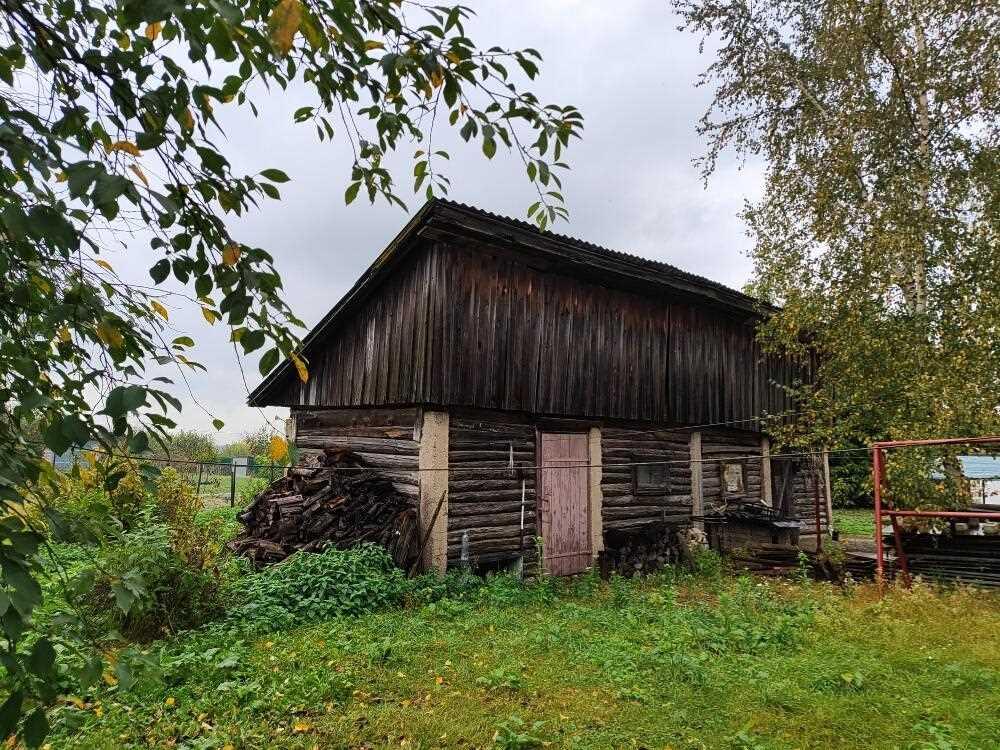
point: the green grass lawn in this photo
(665, 662)
(854, 521)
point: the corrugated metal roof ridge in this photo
(638, 259)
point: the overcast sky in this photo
(632, 186)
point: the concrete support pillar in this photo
(433, 463)
(290, 429)
(766, 486)
(596, 474)
(697, 493)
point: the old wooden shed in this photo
(522, 385)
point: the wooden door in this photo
(565, 506)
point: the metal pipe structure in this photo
(877, 457)
(878, 473)
(936, 441)
(943, 513)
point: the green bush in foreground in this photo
(316, 586)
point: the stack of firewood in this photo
(332, 501)
(644, 550)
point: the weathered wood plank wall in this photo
(622, 508)
(718, 447)
(480, 327)
(486, 502)
(804, 498)
(384, 438)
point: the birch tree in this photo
(878, 123)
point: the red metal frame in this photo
(878, 475)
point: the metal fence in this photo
(217, 483)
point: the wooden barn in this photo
(534, 392)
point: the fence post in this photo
(270, 472)
(197, 492)
(232, 485)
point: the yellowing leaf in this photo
(300, 367)
(159, 309)
(62, 177)
(153, 30)
(283, 24)
(109, 678)
(453, 58)
(437, 78)
(170, 701)
(373, 44)
(231, 254)
(139, 173)
(124, 42)
(210, 315)
(300, 726)
(312, 33)
(64, 335)
(109, 335)
(104, 264)
(126, 146)
(439, 680)
(41, 284)
(277, 449)
(187, 119)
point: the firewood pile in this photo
(643, 550)
(331, 501)
(768, 559)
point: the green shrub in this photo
(707, 563)
(145, 589)
(316, 586)
(433, 587)
(249, 488)
(98, 500)
(177, 506)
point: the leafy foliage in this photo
(80, 507)
(144, 587)
(249, 489)
(191, 445)
(311, 587)
(110, 131)
(879, 225)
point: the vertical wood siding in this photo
(481, 328)
(487, 503)
(384, 438)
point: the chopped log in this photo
(335, 499)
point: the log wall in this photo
(483, 497)
(804, 499)
(385, 439)
(623, 509)
(718, 447)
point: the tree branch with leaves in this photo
(109, 136)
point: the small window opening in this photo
(650, 479)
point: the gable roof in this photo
(440, 218)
